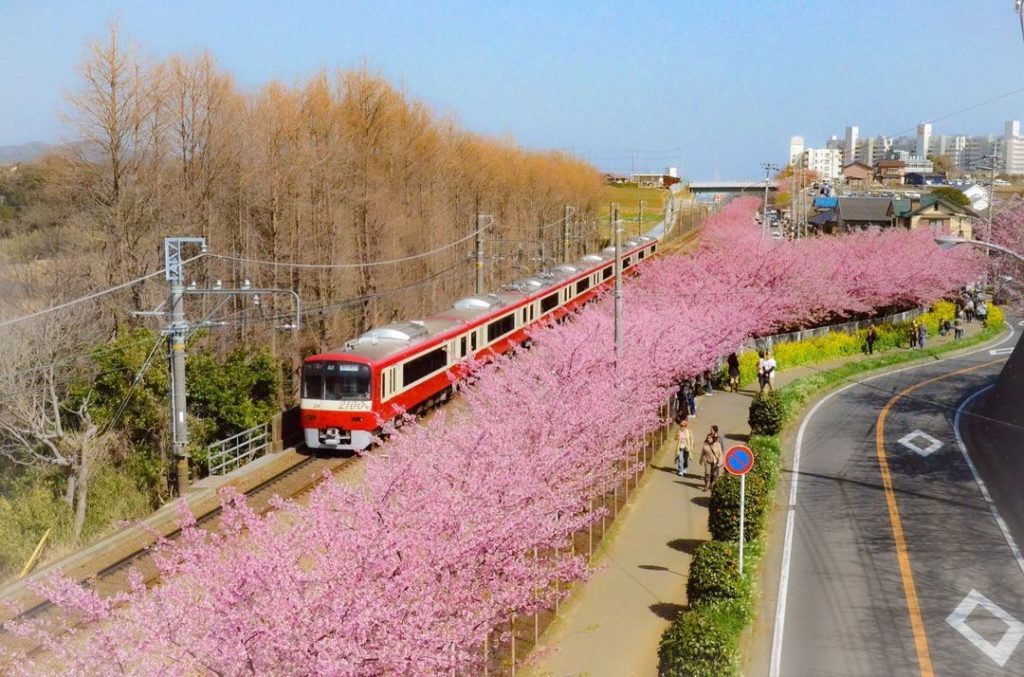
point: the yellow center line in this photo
(924, 659)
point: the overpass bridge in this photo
(730, 188)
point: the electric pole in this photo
(568, 212)
(768, 168)
(617, 235)
(177, 331)
(640, 219)
(481, 224)
(175, 273)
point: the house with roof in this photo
(890, 172)
(861, 213)
(857, 174)
(935, 212)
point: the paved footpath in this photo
(612, 624)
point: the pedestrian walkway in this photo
(612, 624)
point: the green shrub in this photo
(31, 505)
(724, 506)
(767, 414)
(714, 574)
(114, 497)
(703, 642)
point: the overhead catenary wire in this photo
(347, 266)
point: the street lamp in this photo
(949, 241)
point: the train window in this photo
(607, 272)
(548, 302)
(499, 328)
(383, 386)
(533, 308)
(462, 347)
(346, 381)
(583, 285)
(424, 365)
(472, 341)
(641, 255)
(654, 247)
(313, 380)
(523, 321)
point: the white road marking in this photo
(999, 652)
(981, 485)
(1000, 351)
(780, 613)
(933, 444)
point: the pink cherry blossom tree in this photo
(465, 522)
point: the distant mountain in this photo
(26, 152)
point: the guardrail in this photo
(763, 342)
(233, 452)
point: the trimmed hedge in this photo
(724, 506)
(715, 574)
(767, 414)
(703, 642)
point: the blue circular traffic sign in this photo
(739, 460)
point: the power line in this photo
(95, 295)
(343, 266)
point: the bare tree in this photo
(42, 423)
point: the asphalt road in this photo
(896, 563)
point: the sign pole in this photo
(738, 461)
(743, 497)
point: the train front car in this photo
(337, 402)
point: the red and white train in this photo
(348, 393)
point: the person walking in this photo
(981, 311)
(871, 338)
(760, 370)
(913, 334)
(969, 310)
(734, 372)
(958, 329)
(689, 396)
(682, 407)
(769, 371)
(685, 444)
(922, 334)
(710, 458)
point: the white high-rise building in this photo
(977, 150)
(796, 148)
(924, 139)
(1013, 148)
(952, 147)
(826, 162)
(852, 137)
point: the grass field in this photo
(628, 198)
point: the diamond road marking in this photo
(933, 444)
(1000, 652)
(1000, 351)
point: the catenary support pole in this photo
(640, 220)
(566, 217)
(179, 425)
(481, 223)
(617, 234)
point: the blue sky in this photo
(716, 85)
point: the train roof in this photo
(387, 340)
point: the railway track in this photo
(293, 483)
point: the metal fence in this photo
(235, 451)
